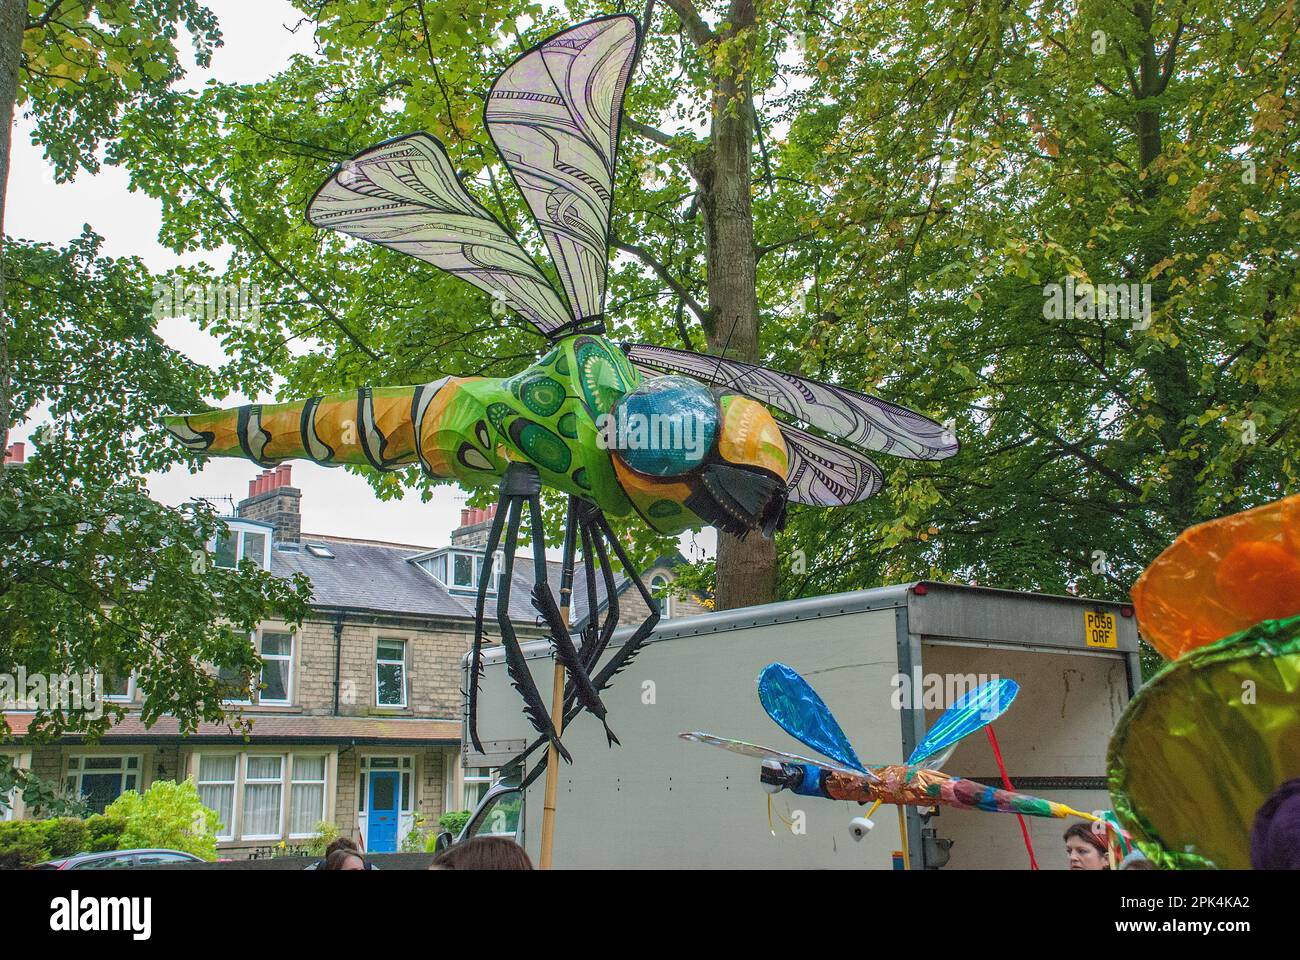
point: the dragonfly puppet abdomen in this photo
(441, 426)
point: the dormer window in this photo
(459, 569)
(243, 540)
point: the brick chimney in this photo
(474, 526)
(16, 453)
(273, 499)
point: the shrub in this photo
(170, 815)
(22, 844)
(67, 837)
(326, 833)
(454, 820)
(104, 833)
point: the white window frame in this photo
(231, 702)
(402, 663)
(199, 783)
(286, 781)
(295, 780)
(474, 563)
(475, 780)
(15, 809)
(276, 657)
(78, 760)
(246, 781)
(236, 530)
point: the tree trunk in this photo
(746, 572)
(1167, 367)
(13, 21)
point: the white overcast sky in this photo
(257, 45)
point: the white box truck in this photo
(657, 801)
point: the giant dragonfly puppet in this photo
(554, 117)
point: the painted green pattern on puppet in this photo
(604, 374)
(545, 449)
(546, 419)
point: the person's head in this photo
(344, 859)
(1275, 837)
(342, 843)
(483, 853)
(1086, 850)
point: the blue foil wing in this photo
(972, 711)
(795, 706)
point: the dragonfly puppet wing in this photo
(765, 753)
(554, 116)
(799, 711)
(972, 711)
(404, 195)
(856, 418)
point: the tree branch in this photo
(644, 255)
(699, 32)
(649, 132)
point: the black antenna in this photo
(735, 323)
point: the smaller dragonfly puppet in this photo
(799, 711)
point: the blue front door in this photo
(384, 810)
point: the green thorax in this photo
(547, 415)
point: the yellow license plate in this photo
(1099, 630)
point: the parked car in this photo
(117, 860)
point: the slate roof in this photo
(380, 578)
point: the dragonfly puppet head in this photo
(716, 455)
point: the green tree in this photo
(994, 152)
(73, 66)
(97, 576)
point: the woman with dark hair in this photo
(483, 853)
(344, 859)
(1086, 850)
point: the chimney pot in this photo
(283, 471)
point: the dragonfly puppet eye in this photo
(666, 427)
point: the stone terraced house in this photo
(357, 719)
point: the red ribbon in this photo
(1006, 782)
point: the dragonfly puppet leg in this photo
(520, 483)
(596, 529)
(565, 652)
(476, 656)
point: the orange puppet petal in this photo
(1221, 577)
